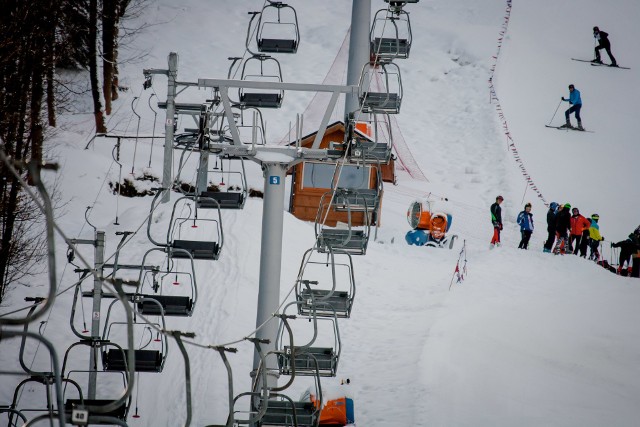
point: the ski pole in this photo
(554, 113)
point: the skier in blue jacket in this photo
(525, 219)
(576, 105)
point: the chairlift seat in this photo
(226, 200)
(305, 361)
(390, 48)
(280, 413)
(277, 46)
(326, 303)
(258, 100)
(361, 200)
(349, 241)
(197, 249)
(370, 152)
(171, 305)
(380, 102)
(146, 360)
(119, 412)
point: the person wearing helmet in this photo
(578, 226)
(525, 219)
(551, 227)
(496, 220)
(576, 105)
(602, 38)
(563, 224)
(594, 238)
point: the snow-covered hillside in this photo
(527, 338)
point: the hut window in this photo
(319, 175)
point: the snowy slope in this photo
(526, 339)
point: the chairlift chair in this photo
(267, 98)
(399, 4)
(375, 149)
(189, 249)
(247, 128)
(380, 88)
(269, 406)
(347, 239)
(156, 304)
(277, 29)
(287, 412)
(146, 360)
(315, 295)
(50, 380)
(308, 359)
(230, 199)
(390, 35)
(119, 412)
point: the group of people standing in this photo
(572, 232)
(569, 232)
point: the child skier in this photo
(496, 220)
(525, 219)
(595, 238)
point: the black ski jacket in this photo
(563, 222)
(496, 214)
(602, 38)
(551, 220)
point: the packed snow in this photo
(526, 338)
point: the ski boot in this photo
(580, 126)
(567, 125)
(597, 61)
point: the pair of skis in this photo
(600, 64)
(568, 128)
(595, 64)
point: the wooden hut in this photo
(313, 179)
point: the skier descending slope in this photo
(576, 106)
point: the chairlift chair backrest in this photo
(277, 29)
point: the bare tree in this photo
(93, 66)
